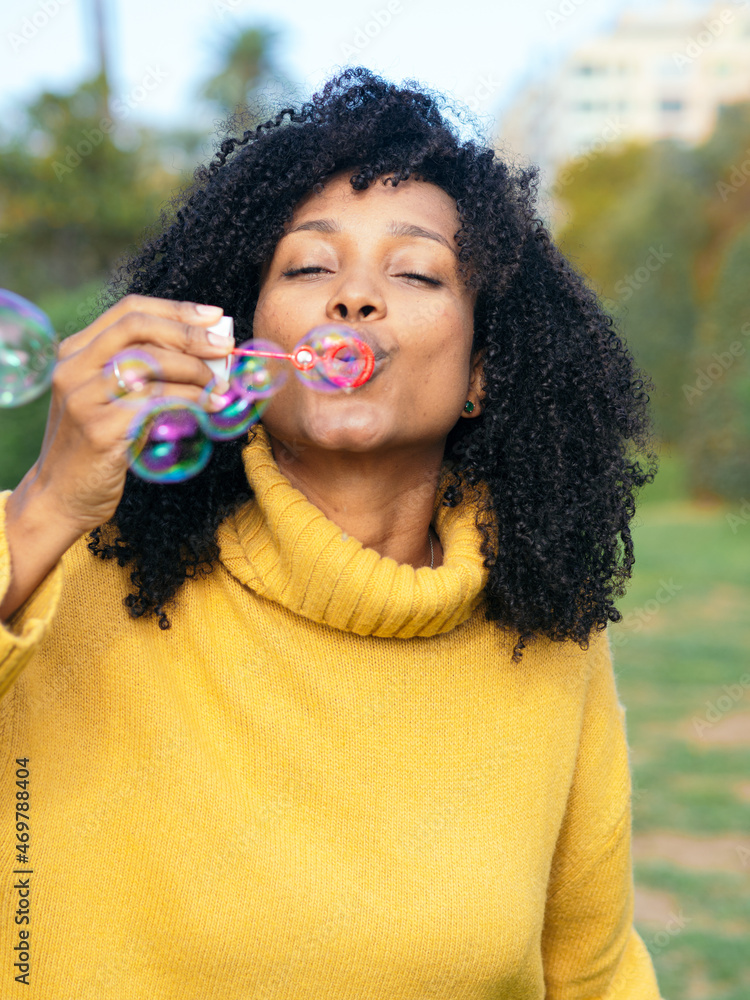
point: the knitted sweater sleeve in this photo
(22, 634)
(590, 949)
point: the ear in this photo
(476, 385)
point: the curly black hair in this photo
(563, 442)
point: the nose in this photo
(356, 298)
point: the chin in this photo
(345, 431)
(334, 422)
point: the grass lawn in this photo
(680, 656)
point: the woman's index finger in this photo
(190, 313)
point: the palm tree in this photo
(102, 47)
(249, 68)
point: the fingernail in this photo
(221, 386)
(219, 340)
(217, 402)
(214, 311)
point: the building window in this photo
(587, 106)
(671, 106)
(587, 69)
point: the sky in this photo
(478, 51)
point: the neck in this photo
(384, 501)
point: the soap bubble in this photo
(28, 350)
(256, 376)
(331, 357)
(172, 438)
(169, 442)
(140, 373)
(241, 411)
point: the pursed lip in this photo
(380, 353)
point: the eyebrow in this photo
(393, 229)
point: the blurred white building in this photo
(660, 74)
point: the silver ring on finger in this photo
(121, 383)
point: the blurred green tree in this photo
(657, 229)
(640, 244)
(250, 73)
(718, 393)
(76, 189)
(81, 183)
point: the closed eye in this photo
(421, 277)
(302, 270)
(292, 272)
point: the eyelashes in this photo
(293, 272)
(301, 270)
(422, 277)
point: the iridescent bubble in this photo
(140, 374)
(241, 411)
(329, 358)
(169, 442)
(28, 350)
(257, 376)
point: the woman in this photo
(374, 749)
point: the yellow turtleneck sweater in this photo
(327, 781)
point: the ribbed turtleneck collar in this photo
(285, 549)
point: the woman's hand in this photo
(78, 479)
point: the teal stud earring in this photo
(469, 408)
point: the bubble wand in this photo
(304, 359)
(333, 348)
(171, 438)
